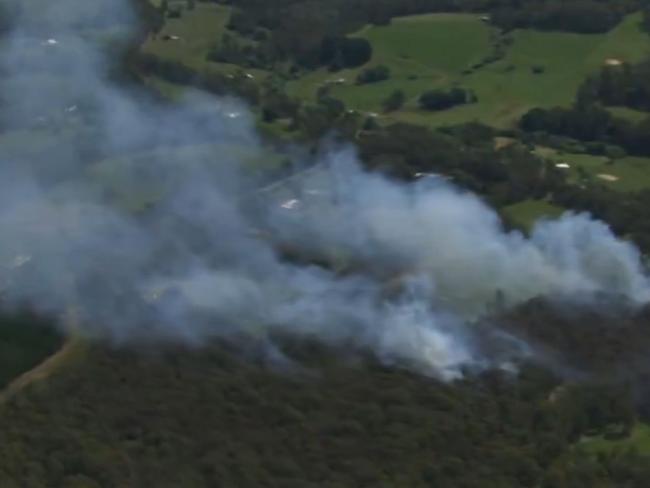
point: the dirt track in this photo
(40, 372)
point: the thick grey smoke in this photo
(145, 219)
(435, 230)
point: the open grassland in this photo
(422, 52)
(638, 440)
(525, 214)
(628, 113)
(198, 31)
(565, 58)
(625, 174)
(509, 87)
(189, 40)
(538, 69)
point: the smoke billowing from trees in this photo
(202, 261)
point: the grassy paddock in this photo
(539, 69)
(638, 440)
(625, 174)
(434, 51)
(199, 30)
(510, 87)
(422, 51)
(628, 113)
(525, 214)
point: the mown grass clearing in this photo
(539, 69)
(190, 38)
(628, 113)
(197, 30)
(638, 440)
(566, 59)
(625, 174)
(422, 52)
(525, 214)
(445, 43)
(508, 88)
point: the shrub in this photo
(374, 75)
(174, 13)
(441, 99)
(342, 52)
(395, 101)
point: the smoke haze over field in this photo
(193, 267)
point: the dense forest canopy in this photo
(174, 417)
(625, 85)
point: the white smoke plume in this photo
(144, 217)
(450, 236)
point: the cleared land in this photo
(509, 87)
(628, 113)
(639, 440)
(624, 174)
(190, 38)
(423, 52)
(197, 30)
(536, 69)
(525, 214)
(434, 51)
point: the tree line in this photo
(591, 123)
(582, 16)
(625, 85)
(215, 417)
(299, 29)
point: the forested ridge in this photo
(221, 417)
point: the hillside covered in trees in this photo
(224, 416)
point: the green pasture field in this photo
(423, 52)
(525, 214)
(439, 51)
(628, 113)
(625, 174)
(198, 31)
(430, 51)
(638, 440)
